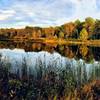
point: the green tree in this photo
(75, 34)
(83, 34)
(61, 34)
(79, 25)
(90, 21)
(89, 25)
(77, 22)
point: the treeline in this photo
(88, 29)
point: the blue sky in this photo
(19, 13)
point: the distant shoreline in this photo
(57, 41)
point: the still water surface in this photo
(80, 61)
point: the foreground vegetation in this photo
(47, 87)
(65, 83)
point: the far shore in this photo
(58, 41)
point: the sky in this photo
(43, 13)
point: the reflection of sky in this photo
(54, 61)
(18, 13)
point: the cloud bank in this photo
(19, 13)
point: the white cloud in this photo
(49, 12)
(45, 13)
(5, 14)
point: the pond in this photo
(70, 66)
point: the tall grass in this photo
(49, 81)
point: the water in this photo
(83, 62)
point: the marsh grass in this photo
(48, 82)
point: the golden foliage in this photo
(83, 50)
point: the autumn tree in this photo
(57, 31)
(48, 32)
(78, 25)
(36, 33)
(60, 34)
(68, 29)
(83, 34)
(89, 21)
(89, 25)
(83, 50)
